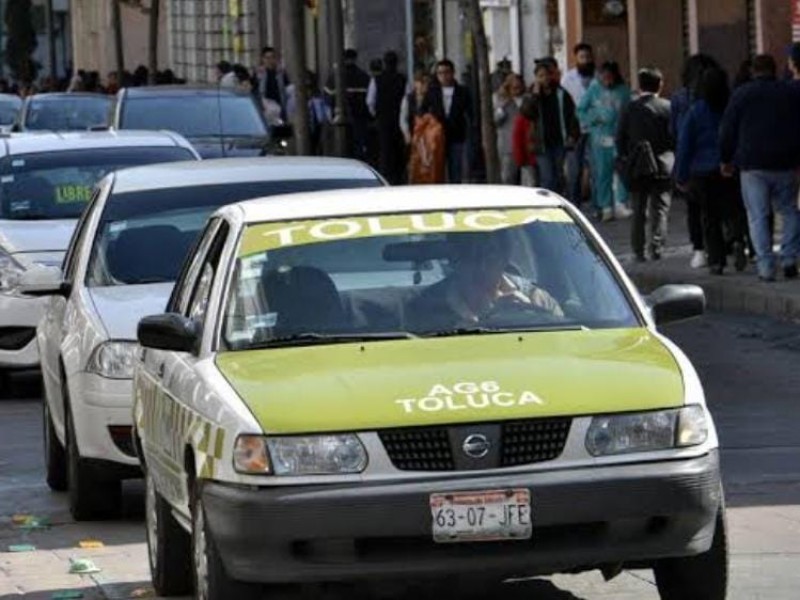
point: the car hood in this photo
(229, 147)
(357, 387)
(121, 307)
(36, 236)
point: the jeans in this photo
(761, 190)
(455, 162)
(653, 197)
(551, 169)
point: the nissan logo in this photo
(476, 445)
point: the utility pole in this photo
(488, 129)
(152, 42)
(340, 117)
(293, 25)
(119, 52)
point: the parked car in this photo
(220, 122)
(519, 416)
(46, 180)
(10, 105)
(121, 265)
(70, 111)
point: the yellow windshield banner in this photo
(262, 237)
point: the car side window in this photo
(78, 236)
(198, 304)
(191, 268)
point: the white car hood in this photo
(36, 236)
(121, 307)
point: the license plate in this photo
(481, 516)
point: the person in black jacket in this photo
(356, 83)
(646, 146)
(384, 98)
(450, 103)
(760, 135)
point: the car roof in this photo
(339, 203)
(70, 95)
(26, 143)
(171, 91)
(238, 170)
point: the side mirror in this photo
(672, 303)
(42, 281)
(169, 331)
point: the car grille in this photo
(435, 448)
(16, 338)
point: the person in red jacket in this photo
(525, 142)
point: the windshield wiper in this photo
(312, 337)
(481, 330)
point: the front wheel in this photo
(701, 577)
(211, 581)
(169, 546)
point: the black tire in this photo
(701, 577)
(211, 581)
(91, 496)
(55, 457)
(169, 546)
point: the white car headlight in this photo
(301, 455)
(113, 360)
(10, 271)
(646, 432)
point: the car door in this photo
(52, 327)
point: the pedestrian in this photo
(356, 83)
(242, 79)
(760, 135)
(525, 142)
(793, 63)
(599, 112)
(558, 126)
(500, 75)
(273, 84)
(681, 102)
(411, 106)
(449, 102)
(697, 171)
(384, 97)
(507, 102)
(646, 147)
(577, 81)
(319, 114)
(226, 78)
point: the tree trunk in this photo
(294, 28)
(116, 23)
(488, 129)
(152, 41)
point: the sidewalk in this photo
(731, 292)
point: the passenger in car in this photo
(479, 286)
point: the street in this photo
(748, 365)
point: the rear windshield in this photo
(77, 113)
(195, 116)
(57, 185)
(9, 109)
(143, 237)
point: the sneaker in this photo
(698, 260)
(790, 272)
(607, 215)
(739, 258)
(622, 212)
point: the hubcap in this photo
(200, 554)
(152, 523)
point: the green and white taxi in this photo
(419, 382)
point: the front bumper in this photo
(582, 518)
(19, 313)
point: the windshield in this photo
(68, 113)
(143, 237)
(419, 274)
(57, 185)
(195, 116)
(9, 109)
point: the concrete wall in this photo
(723, 32)
(659, 38)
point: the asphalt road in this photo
(750, 370)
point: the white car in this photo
(123, 258)
(45, 182)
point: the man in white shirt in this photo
(576, 81)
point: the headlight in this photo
(10, 271)
(302, 455)
(645, 432)
(113, 360)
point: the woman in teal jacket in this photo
(599, 112)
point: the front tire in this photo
(55, 457)
(91, 497)
(169, 546)
(701, 577)
(211, 581)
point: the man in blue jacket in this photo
(760, 135)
